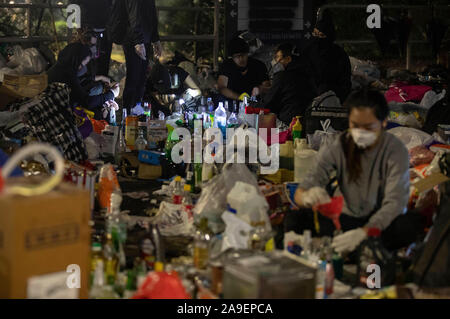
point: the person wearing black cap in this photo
(242, 74)
(72, 63)
(292, 89)
(330, 64)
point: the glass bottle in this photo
(111, 260)
(141, 142)
(201, 244)
(177, 195)
(96, 258)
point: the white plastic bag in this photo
(172, 220)
(411, 137)
(431, 98)
(323, 138)
(236, 233)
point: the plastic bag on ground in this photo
(213, 199)
(162, 285)
(27, 62)
(237, 232)
(322, 138)
(411, 137)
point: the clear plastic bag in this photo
(27, 62)
(322, 138)
(411, 137)
(213, 199)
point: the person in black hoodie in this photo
(330, 64)
(95, 15)
(141, 40)
(71, 65)
(292, 89)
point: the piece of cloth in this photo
(291, 93)
(402, 231)
(142, 23)
(65, 71)
(52, 121)
(255, 76)
(382, 190)
(330, 66)
(399, 92)
(136, 76)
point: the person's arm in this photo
(79, 95)
(264, 88)
(271, 100)
(396, 193)
(319, 175)
(222, 84)
(190, 83)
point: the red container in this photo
(333, 210)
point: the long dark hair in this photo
(365, 98)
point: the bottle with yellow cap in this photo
(297, 129)
(177, 195)
(187, 200)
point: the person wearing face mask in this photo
(242, 75)
(372, 170)
(71, 65)
(292, 90)
(330, 64)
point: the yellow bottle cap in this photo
(159, 266)
(178, 179)
(187, 187)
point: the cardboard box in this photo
(40, 237)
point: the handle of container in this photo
(46, 186)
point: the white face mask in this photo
(363, 138)
(277, 66)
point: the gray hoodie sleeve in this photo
(325, 165)
(396, 189)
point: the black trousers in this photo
(403, 231)
(104, 59)
(136, 76)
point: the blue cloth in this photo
(17, 172)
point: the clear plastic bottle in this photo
(177, 195)
(210, 105)
(220, 119)
(233, 120)
(187, 200)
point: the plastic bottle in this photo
(210, 105)
(304, 159)
(233, 120)
(187, 200)
(141, 143)
(297, 129)
(177, 195)
(190, 176)
(160, 253)
(220, 119)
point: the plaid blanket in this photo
(52, 121)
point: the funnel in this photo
(333, 210)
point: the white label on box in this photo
(51, 286)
